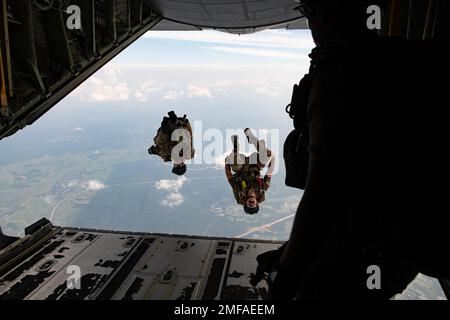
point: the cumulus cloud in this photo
(268, 91)
(106, 85)
(173, 95)
(191, 78)
(198, 91)
(173, 185)
(149, 89)
(98, 90)
(113, 72)
(170, 91)
(95, 185)
(174, 198)
(187, 90)
(90, 185)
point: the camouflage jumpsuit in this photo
(163, 144)
(246, 174)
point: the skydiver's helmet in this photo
(179, 169)
(251, 211)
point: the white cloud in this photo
(173, 199)
(190, 84)
(267, 91)
(98, 90)
(268, 53)
(171, 185)
(77, 129)
(95, 185)
(193, 91)
(267, 38)
(170, 91)
(113, 72)
(148, 89)
(90, 185)
(192, 78)
(187, 82)
(106, 85)
(173, 95)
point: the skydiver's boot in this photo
(251, 137)
(263, 154)
(260, 145)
